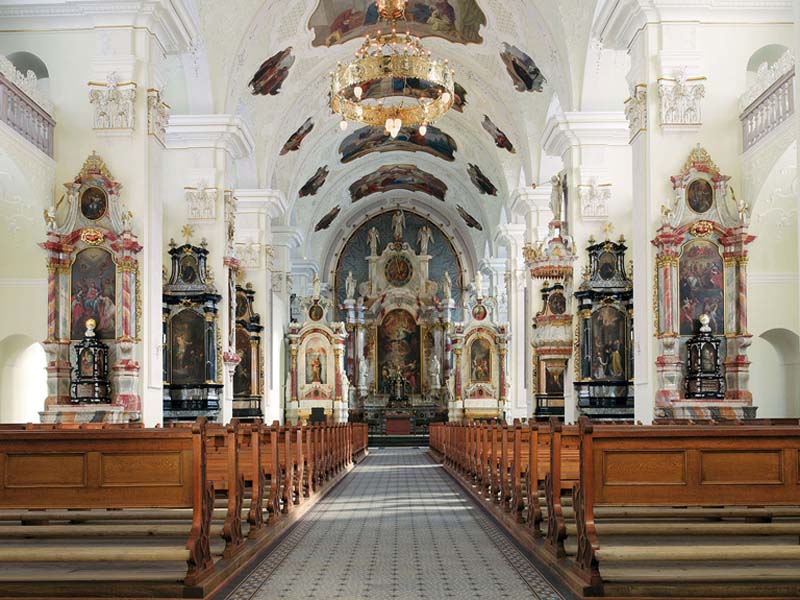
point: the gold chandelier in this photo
(383, 59)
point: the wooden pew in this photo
(65, 470)
(638, 475)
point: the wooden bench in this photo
(71, 474)
(641, 488)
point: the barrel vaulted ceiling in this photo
(237, 37)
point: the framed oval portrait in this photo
(700, 195)
(479, 312)
(315, 313)
(94, 203)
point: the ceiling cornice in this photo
(566, 130)
(171, 21)
(226, 132)
(620, 21)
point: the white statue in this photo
(398, 224)
(478, 284)
(447, 286)
(350, 285)
(363, 373)
(424, 237)
(555, 197)
(316, 285)
(374, 240)
(435, 371)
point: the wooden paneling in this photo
(45, 471)
(142, 468)
(643, 468)
(732, 467)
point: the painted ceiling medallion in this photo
(480, 180)
(500, 139)
(389, 56)
(468, 218)
(367, 140)
(339, 21)
(316, 181)
(272, 73)
(326, 221)
(398, 177)
(296, 139)
(524, 73)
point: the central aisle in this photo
(396, 528)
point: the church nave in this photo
(396, 528)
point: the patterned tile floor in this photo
(396, 528)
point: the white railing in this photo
(24, 109)
(769, 102)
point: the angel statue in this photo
(374, 240)
(478, 284)
(350, 285)
(316, 287)
(424, 237)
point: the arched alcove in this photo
(23, 379)
(775, 378)
(765, 55)
(26, 61)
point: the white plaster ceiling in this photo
(236, 40)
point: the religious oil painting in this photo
(702, 284)
(481, 181)
(553, 377)
(296, 139)
(270, 76)
(608, 344)
(524, 73)
(188, 269)
(468, 218)
(700, 196)
(367, 140)
(94, 203)
(243, 372)
(316, 364)
(607, 265)
(480, 361)
(398, 351)
(500, 139)
(187, 347)
(326, 221)
(479, 312)
(317, 180)
(339, 21)
(316, 312)
(398, 177)
(93, 293)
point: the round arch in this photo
(23, 379)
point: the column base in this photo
(86, 413)
(717, 411)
